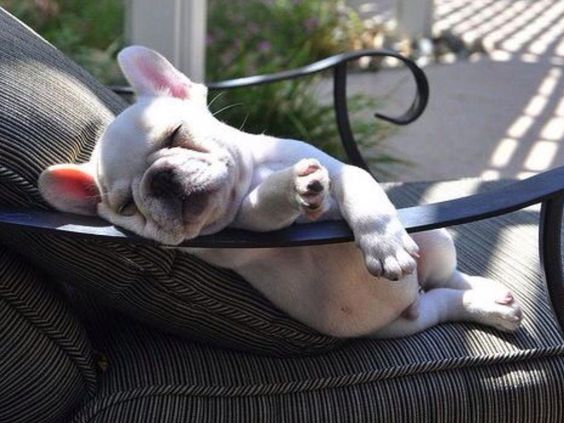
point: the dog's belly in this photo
(326, 287)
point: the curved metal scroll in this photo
(342, 114)
(415, 110)
(339, 61)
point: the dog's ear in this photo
(70, 188)
(150, 74)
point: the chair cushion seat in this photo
(46, 364)
(454, 372)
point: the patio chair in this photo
(97, 325)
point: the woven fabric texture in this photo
(46, 363)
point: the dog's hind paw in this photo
(498, 309)
(311, 184)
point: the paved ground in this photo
(500, 115)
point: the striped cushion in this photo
(51, 111)
(451, 373)
(46, 365)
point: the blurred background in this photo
(495, 70)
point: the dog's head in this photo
(160, 169)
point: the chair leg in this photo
(551, 253)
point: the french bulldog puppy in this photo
(167, 169)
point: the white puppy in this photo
(166, 169)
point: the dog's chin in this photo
(146, 228)
(172, 236)
(169, 239)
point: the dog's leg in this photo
(437, 266)
(437, 262)
(450, 295)
(285, 195)
(442, 305)
(387, 248)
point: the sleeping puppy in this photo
(168, 170)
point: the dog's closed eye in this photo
(127, 208)
(170, 140)
(179, 137)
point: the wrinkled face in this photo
(160, 169)
(160, 172)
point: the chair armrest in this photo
(338, 63)
(537, 189)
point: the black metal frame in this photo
(546, 188)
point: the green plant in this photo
(91, 32)
(247, 37)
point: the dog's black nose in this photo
(165, 183)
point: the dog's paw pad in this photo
(311, 184)
(505, 298)
(315, 187)
(307, 167)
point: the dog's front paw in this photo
(311, 184)
(498, 309)
(390, 253)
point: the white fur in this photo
(388, 284)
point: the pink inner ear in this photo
(180, 91)
(78, 185)
(166, 80)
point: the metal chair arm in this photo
(541, 188)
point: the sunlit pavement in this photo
(496, 115)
